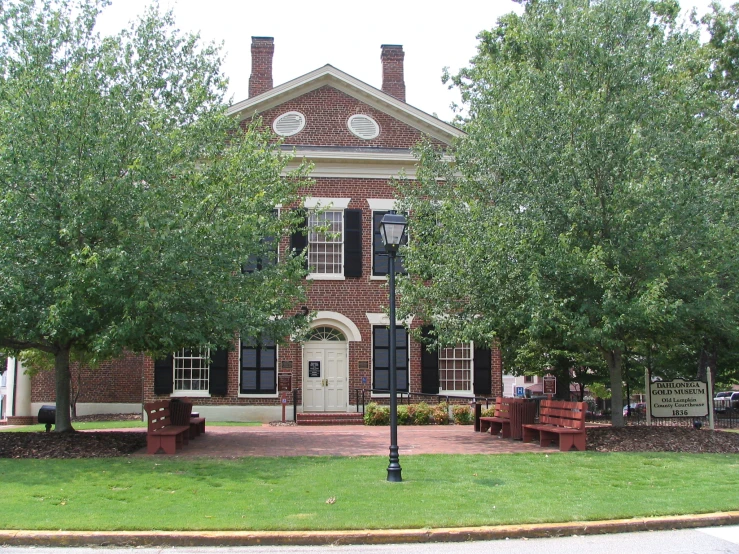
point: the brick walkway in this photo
(343, 440)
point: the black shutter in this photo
(352, 243)
(164, 375)
(429, 367)
(299, 240)
(218, 372)
(483, 370)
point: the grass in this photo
(144, 493)
(90, 425)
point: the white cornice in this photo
(329, 75)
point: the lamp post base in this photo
(393, 470)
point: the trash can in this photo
(47, 415)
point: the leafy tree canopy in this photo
(592, 203)
(130, 199)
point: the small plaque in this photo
(284, 381)
(363, 365)
(287, 364)
(550, 384)
(314, 369)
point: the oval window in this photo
(288, 124)
(363, 126)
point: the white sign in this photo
(679, 398)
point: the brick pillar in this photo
(392, 70)
(262, 50)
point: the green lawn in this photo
(157, 492)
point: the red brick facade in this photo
(118, 381)
(326, 110)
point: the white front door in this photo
(325, 372)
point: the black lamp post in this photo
(392, 230)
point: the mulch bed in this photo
(661, 439)
(109, 444)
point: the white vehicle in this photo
(727, 400)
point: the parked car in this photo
(727, 400)
(636, 408)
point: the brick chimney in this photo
(262, 50)
(392, 70)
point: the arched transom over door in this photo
(325, 371)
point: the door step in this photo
(323, 418)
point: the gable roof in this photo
(329, 75)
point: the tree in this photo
(591, 187)
(130, 199)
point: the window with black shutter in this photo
(482, 378)
(429, 365)
(379, 255)
(381, 358)
(257, 262)
(258, 367)
(352, 243)
(164, 375)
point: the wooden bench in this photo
(559, 419)
(197, 426)
(161, 434)
(509, 416)
(500, 421)
(180, 412)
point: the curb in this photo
(389, 536)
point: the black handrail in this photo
(295, 404)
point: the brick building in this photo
(358, 137)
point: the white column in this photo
(19, 397)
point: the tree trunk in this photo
(613, 359)
(708, 358)
(61, 370)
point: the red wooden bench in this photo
(180, 412)
(161, 434)
(559, 419)
(500, 421)
(509, 415)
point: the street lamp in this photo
(392, 231)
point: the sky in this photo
(347, 35)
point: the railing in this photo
(723, 419)
(360, 398)
(295, 404)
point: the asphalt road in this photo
(724, 540)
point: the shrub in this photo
(440, 414)
(404, 417)
(422, 414)
(488, 412)
(462, 415)
(374, 414)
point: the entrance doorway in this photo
(325, 371)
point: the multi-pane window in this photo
(326, 242)
(191, 369)
(258, 367)
(528, 378)
(381, 358)
(379, 254)
(455, 368)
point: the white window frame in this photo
(205, 358)
(471, 391)
(338, 205)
